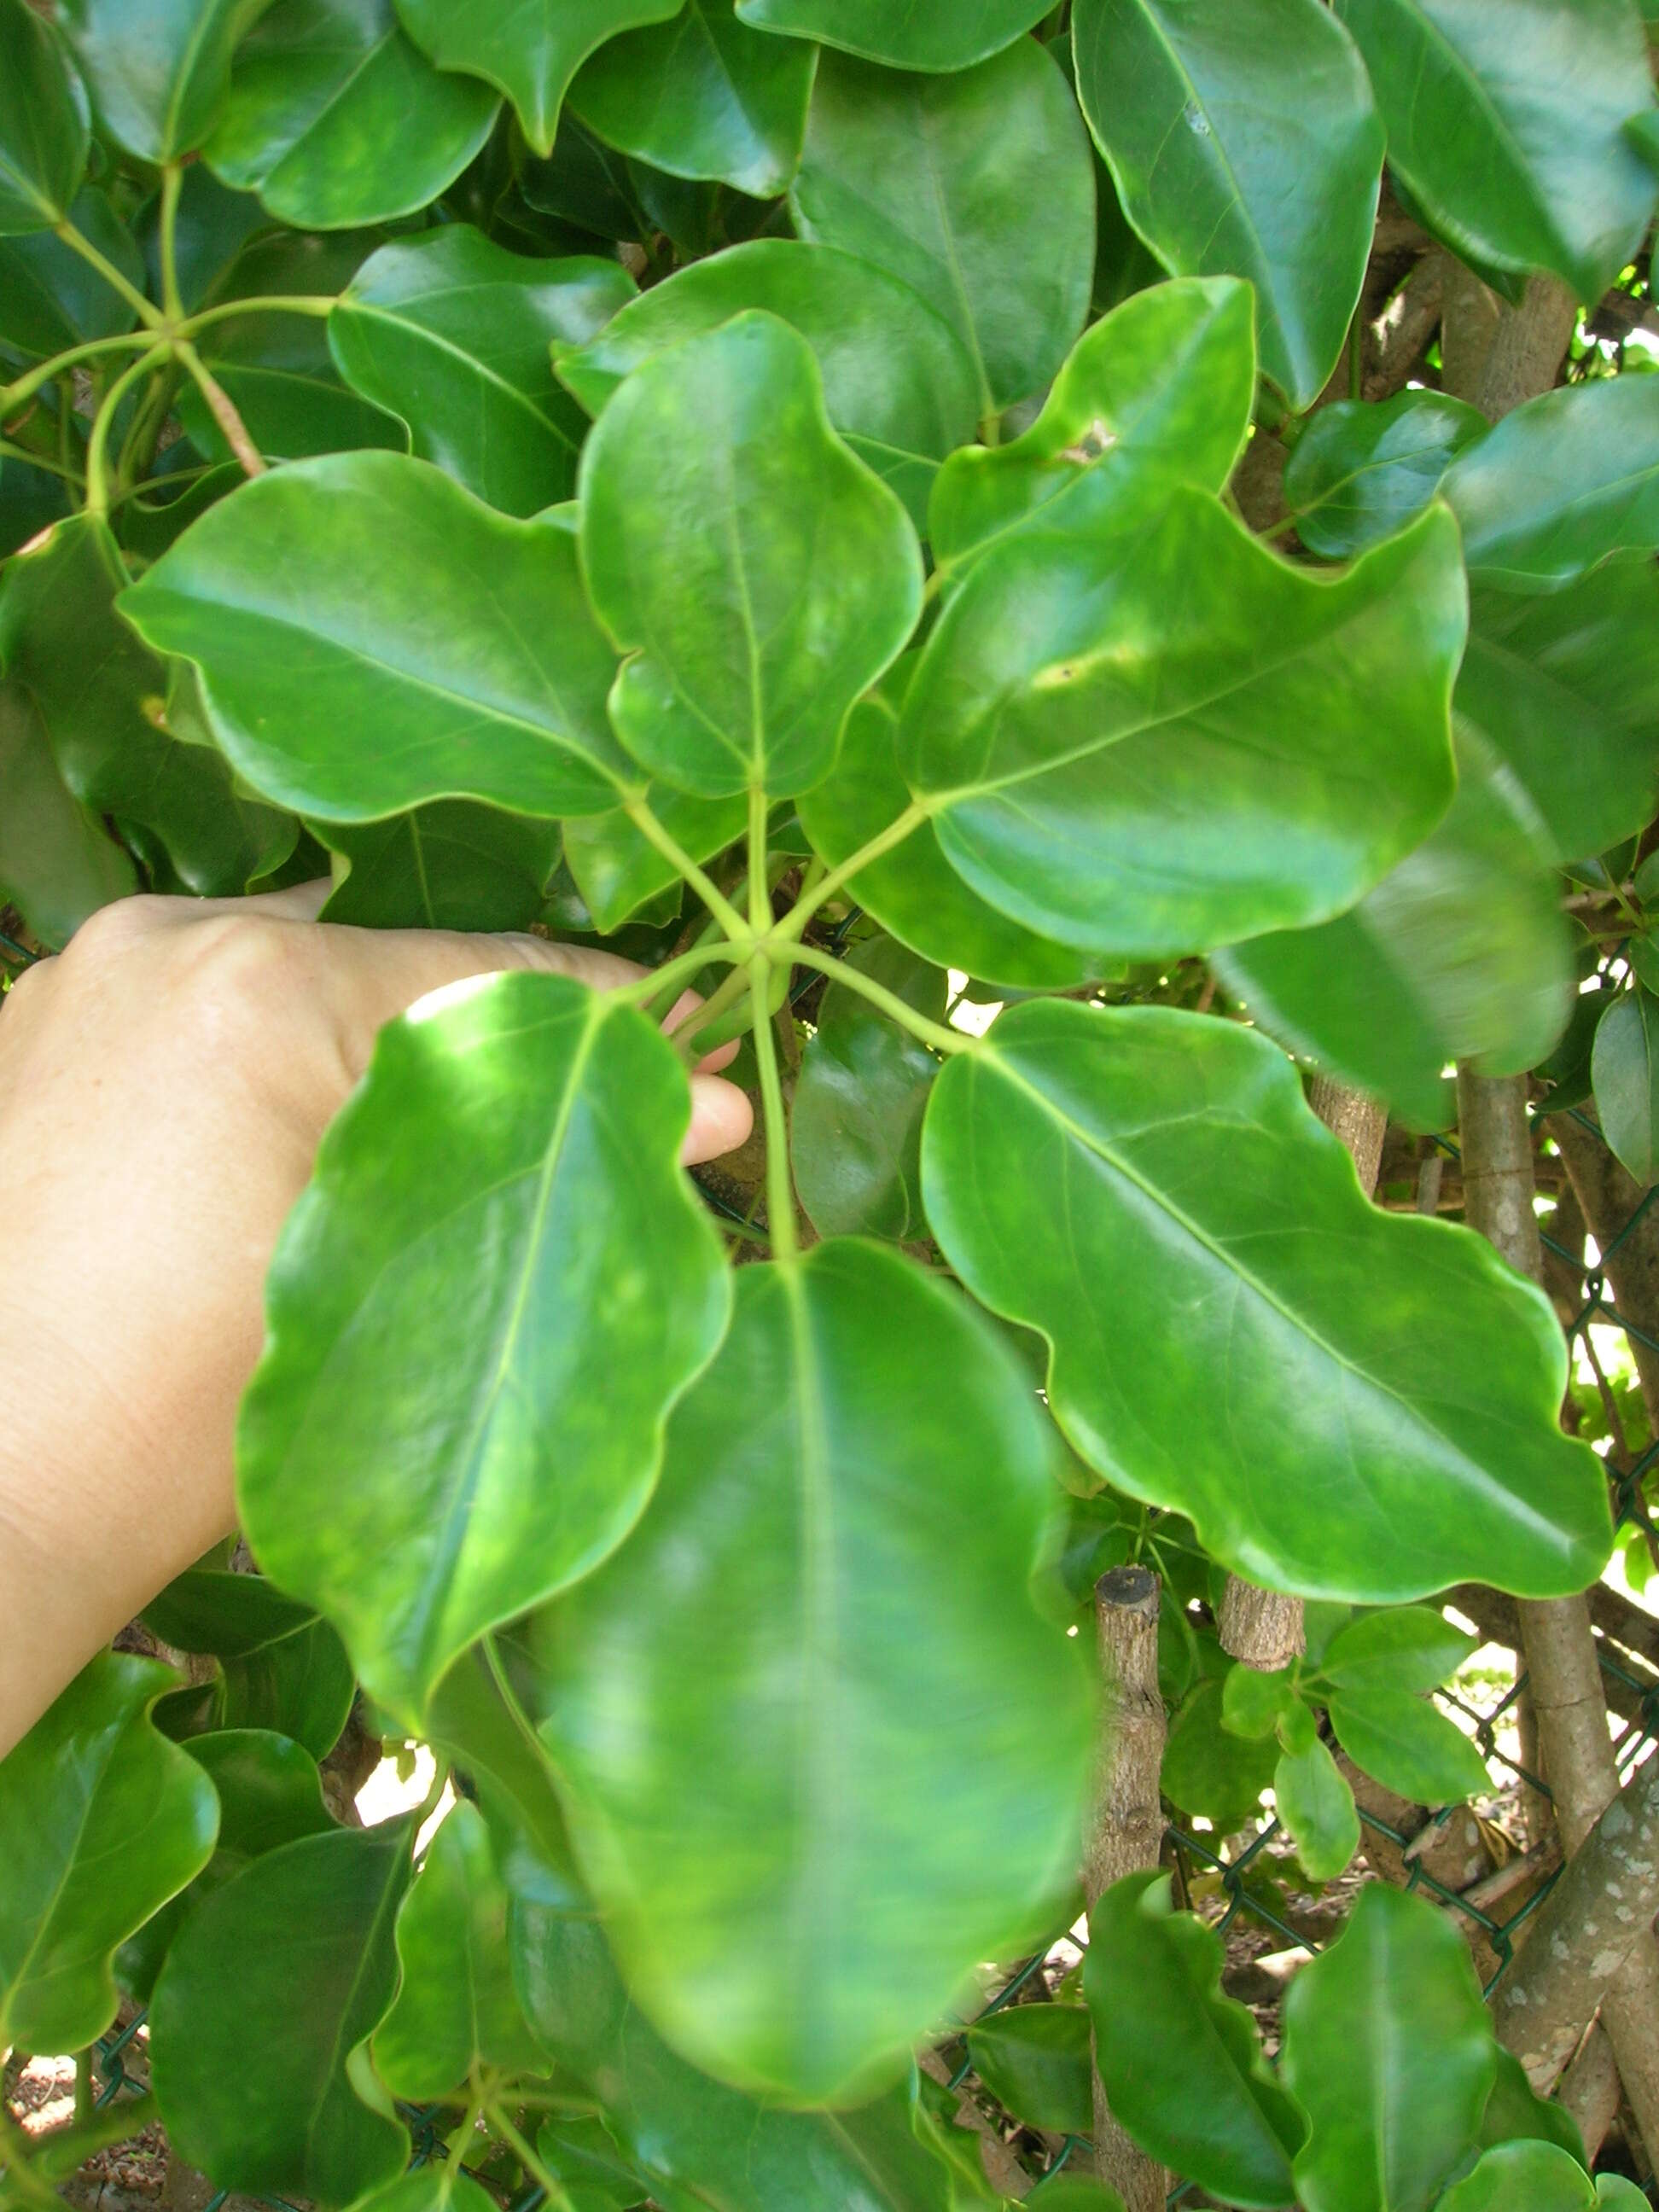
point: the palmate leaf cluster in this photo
(758, 483)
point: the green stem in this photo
(146, 310)
(637, 808)
(65, 2149)
(173, 177)
(318, 304)
(902, 826)
(13, 396)
(709, 1015)
(138, 447)
(896, 1009)
(223, 410)
(660, 1002)
(528, 2159)
(759, 903)
(665, 984)
(780, 1188)
(97, 479)
(10, 453)
(23, 2184)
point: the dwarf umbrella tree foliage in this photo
(960, 531)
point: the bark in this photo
(1564, 1676)
(1591, 2092)
(1126, 1833)
(1609, 1198)
(1262, 1627)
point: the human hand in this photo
(164, 1083)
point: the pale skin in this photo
(164, 1083)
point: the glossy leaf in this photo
(702, 95)
(911, 889)
(898, 385)
(102, 698)
(1460, 952)
(1514, 2111)
(506, 1769)
(450, 865)
(1152, 1978)
(754, 1788)
(335, 118)
(101, 1820)
(974, 189)
(1408, 1745)
(282, 1668)
(1507, 128)
(427, 620)
(450, 332)
(1255, 1701)
(1183, 1225)
(1174, 738)
(50, 298)
(1243, 141)
(57, 863)
(1409, 1647)
(1157, 395)
(1208, 1769)
(617, 869)
(296, 1953)
(1523, 2177)
(211, 226)
(700, 2146)
(1560, 483)
(437, 2186)
(1035, 2059)
(752, 640)
(855, 1131)
(158, 70)
(535, 1121)
(44, 128)
(1625, 1070)
(936, 34)
(529, 52)
(1316, 1807)
(1359, 472)
(1566, 689)
(455, 2011)
(277, 368)
(1387, 2049)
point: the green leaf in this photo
(1034, 2058)
(1389, 2050)
(157, 69)
(617, 869)
(1408, 1745)
(102, 698)
(912, 890)
(1157, 395)
(450, 865)
(44, 128)
(490, 1741)
(451, 333)
(455, 2011)
(50, 298)
(702, 95)
(335, 118)
(1358, 473)
(1243, 141)
(1560, 483)
(754, 1789)
(1624, 1071)
(282, 1668)
(752, 639)
(294, 1957)
(1565, 689)
(1182, 1225)
(1624, 2196)
(1074, 2192)
(581, 2152)
(437, 2186)
(1507, 127)
(1253, 1701)
(30, 498)
(855, 1131)
(1315, 1806)
(57, 864)
(1209, 1771)
(277, 368)
(101, 1820)
(1460, 952)
(1173, 739)
(1231, 2129)
(1514, 2109)
(935, 34)
(211, 226)
(1408, 1647)
(1524, 2177)
(898, 385)
(974, 189)
(529, 52)
(427, 619)
(535, 1121)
